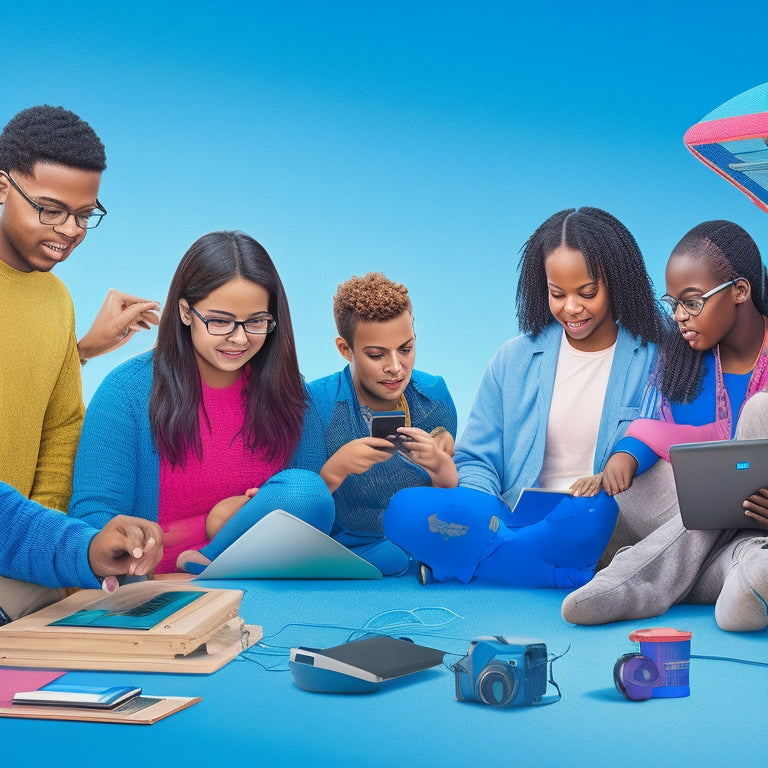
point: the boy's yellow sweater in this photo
(41, 403)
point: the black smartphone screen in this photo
(385, 424)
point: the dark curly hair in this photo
(371, 297)
(49, 135)
(726, 251)
(611, 254)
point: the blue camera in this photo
(502, 672)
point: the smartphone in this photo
(87, 696)
(385, 424)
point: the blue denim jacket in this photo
(501, 450)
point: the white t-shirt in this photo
(581, 380)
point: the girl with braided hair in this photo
(552, 405)
(709, 384)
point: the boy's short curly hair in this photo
(47, 134)
(372, 298)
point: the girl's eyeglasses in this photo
(220, 326)
(692, 305)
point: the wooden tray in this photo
(200, 637)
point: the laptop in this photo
(281, 546)
(713, 479)
(359, 666)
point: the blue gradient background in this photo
(424, 140)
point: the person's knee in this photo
(20, 598)
(295, 479)
(390, 559)
(650, 501)
(578, 523)
(399, 508)
(414, 514)
(403, 513)
(303, 494)
(408, 512)
(753, 420)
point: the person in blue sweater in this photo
(196, 435)
(376, 337)
(43, 550)
(709, 384)
(550, 408)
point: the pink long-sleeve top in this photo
(227, 468)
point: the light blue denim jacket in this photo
(501, 449)
(334, 418)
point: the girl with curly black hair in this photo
(551, 406)
(709, 384)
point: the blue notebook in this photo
(534, 504)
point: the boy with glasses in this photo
(50, 170)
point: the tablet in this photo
(713, 479)
(87, 696)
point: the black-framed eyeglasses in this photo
(56, 216)
(692, 305)
(220, 326)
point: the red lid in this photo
(659, 635)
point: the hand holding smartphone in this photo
(385, 425)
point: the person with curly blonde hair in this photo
(374, 320)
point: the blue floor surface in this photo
(261, 718)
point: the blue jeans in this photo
(299, 492)
(462, 533)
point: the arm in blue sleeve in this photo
(311, 451)
(480, 452)
(646, 456)
(106, 472)
(41, 545)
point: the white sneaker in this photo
(743, 602)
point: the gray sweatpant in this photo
(664, 563)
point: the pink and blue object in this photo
(733, 141)
(661, 668)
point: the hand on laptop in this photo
(756, 507)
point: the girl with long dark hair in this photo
(197, 434)
(551, 406)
